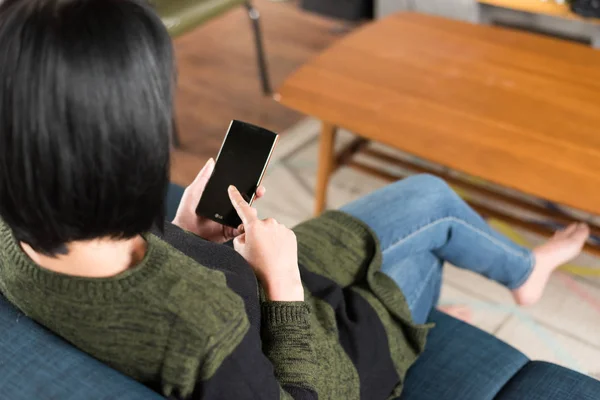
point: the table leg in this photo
(326, 164)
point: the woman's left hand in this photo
(187, 219)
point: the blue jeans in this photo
(421, 222)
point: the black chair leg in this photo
(260, 51)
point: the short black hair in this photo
(86, 113)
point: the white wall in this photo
(467, 10)
(459, 9)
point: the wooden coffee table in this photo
(487, 10)
(546, 7)
(515, 109)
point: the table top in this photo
(514, 108)
(539, 7)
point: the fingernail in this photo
(231, 188)
(210, 161)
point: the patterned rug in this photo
(563, 328)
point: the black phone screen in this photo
(241, 162)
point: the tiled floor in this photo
(563, 328)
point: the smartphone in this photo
(241, 162)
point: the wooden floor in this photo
(218, 76)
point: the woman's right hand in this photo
(272, 251)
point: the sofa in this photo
(460, 362)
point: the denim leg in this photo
(419, 276)
(421, 222)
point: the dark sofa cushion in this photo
(35, 364)
(461, 362)
(543, 381)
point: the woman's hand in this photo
(272, 251)
(187, 219)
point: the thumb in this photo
(203, 176)
(239, 243)
(194, 191)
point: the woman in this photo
(333, 310)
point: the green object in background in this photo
(181, 16)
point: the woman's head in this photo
(86, 113)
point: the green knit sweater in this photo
(189, 320)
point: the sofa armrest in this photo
(461, 362)
(36, 364)
(543, 381)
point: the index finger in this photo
(242, 207)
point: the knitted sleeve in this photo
(216, 355)
(287, 343)
(281, 365)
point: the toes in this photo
(569, 230)
(582, 231)
(565, 232)
(573, 230)
(583, 226)
(572, 227)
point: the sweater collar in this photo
(18, 266)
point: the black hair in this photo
(86, 111)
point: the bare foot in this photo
(459, 312)
(564, 246)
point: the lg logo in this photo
(218, 216)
